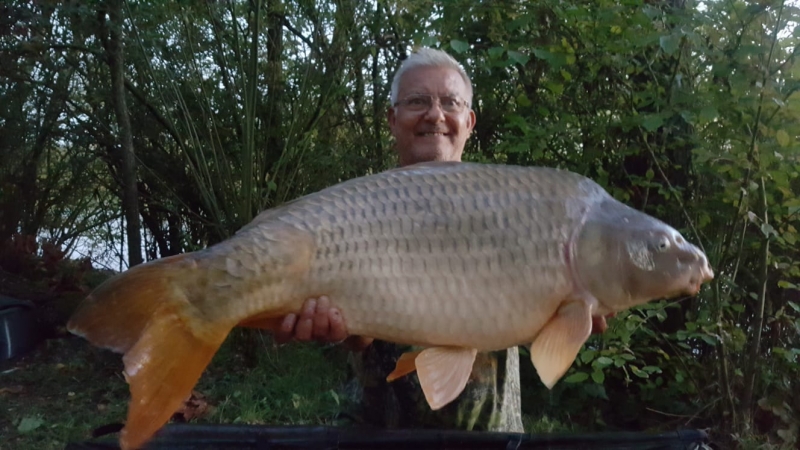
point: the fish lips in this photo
(701, 274)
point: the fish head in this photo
(625, 258)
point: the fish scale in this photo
(506, 245)
(454, 257)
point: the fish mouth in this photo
(702, 273)
(698, 278)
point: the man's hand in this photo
(321, 322)
(599, 324)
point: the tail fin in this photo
(145, 314)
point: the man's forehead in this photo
(432, 80)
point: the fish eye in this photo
(663, 243)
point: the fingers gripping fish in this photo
(456, 258)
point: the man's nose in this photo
(435, 112)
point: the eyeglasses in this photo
(424, 102)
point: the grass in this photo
(295, 384)
(59, 394)
(65, 389)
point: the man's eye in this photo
(449, 102)
(417, 101)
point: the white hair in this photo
(429, 57)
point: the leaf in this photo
(496, 52)
(459, 46)
(652, 122)
(651, 12)
(194, 407)
(335, 396)
(30, 423)
(598, 376)
(708, 339)
(708, 113)
(782, 137)
(587, 355)
(669, 43)
(603, 361)
(767, 229)
(547, 56)
(576, 377)
(786, 434)
(522, 100)
(595, 390)
(638, 372)
(297, 400)
(652, 369)
(430, 41)
(555, 88)
(518, 57)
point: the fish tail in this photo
(146, 314)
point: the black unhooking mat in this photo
(216, 437)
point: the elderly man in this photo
(430, 118)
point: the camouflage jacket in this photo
(490, 402)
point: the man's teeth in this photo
(432, 134)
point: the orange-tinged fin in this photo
(443, 373)
(114, 315)
(145, 313)
(163, 367)
(555, 348)
(405, 365)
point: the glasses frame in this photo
(459, 104)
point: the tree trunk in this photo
(753, 357)
(127, 159)
(275, 86)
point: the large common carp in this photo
(453, 257)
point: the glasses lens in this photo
(422, 102)
(450, 104)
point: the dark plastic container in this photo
(19, 330)
(216, 437)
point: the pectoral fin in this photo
(559, 342)
(443, 373)
(405, 365)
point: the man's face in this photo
(432, 134)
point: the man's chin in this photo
(421, 153)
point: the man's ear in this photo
(471, 120)
(390, 117)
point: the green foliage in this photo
(689, 113)
(293, 385)
(67, 389)
(29, 423)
